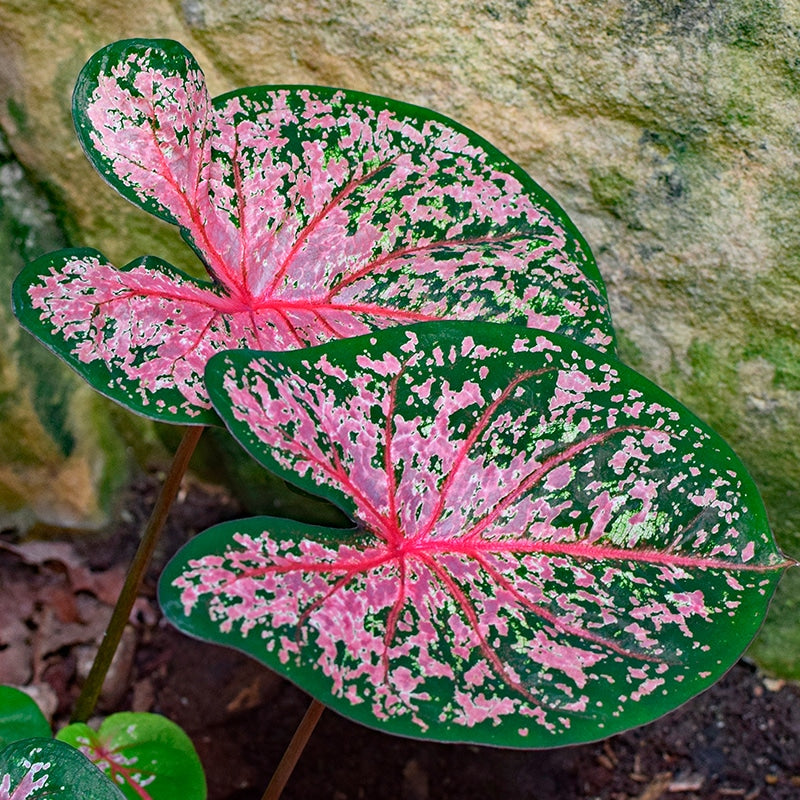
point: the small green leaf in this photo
(146, 755)
(46, 769)
(20, 717)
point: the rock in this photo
(668, 131)
(60, 457)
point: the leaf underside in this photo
(319, 214)
(146, 755)
(46, 769)
(548, 548)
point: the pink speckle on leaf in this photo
(559, 477)
(29, 784)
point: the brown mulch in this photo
(740, 739)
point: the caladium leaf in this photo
(20, 717)
(46, 769)
(148, 756)
(319, 214)
(548, 548)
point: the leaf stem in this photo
(293, 752)
(133, 580)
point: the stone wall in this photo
(669, 131)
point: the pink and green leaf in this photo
(319, 214)
(146, 755)
(46, 769)
(548, 548)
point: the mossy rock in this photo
(62, 458)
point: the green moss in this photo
(772, 309)
(70, 62)
(765, 442)
(612, 191)
(749, 24)
(780, 200)
(741, 110)
(630, 352)
(777, 647)
(783, 352)
(775, 471)
(681, 163)
(51, 389)
(709, 386)
(97, 425)
(17, 113)
(790, 73)
(746, 24)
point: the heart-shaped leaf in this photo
(20, 717)
(148, 756)
(549, 548)
(46, 769)
(319, 213)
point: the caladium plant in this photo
(46, 769)
(142, 756)
(318, 213)
(146, 755)
(548, 548)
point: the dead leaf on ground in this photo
(657, 787)
(50, 604)
(105, 585)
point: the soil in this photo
(740, 739)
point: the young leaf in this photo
(20, 717)
(549, 549)
(148, 756)
(319, 213)
(46, 769)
